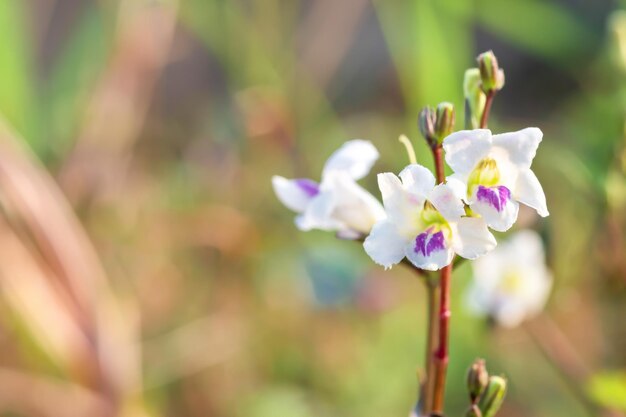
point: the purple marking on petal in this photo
(420, 243)
(427, 243)
(496, 197)
(310, 187)
(435, 243)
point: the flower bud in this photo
(445, 121)
(474, 96)
(492, 77)
(473, 411)
(493, 396)
(477, 379)
(426, 123)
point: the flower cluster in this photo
(424, 222)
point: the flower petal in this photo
(496, 206)
(465, 148)
(472, 238)
(396, 199)
(513, 282)
(458, 185)
(355, 207)
(430, 251)
(417, 180)
(295, 194)
(509, 314)
(528, 190)
(318, 214)
(524, 249)
(355, 158)
(446, 202)
(384, 244)
(520, 147)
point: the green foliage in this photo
(17, 103)
(609, 389)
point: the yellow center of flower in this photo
(486, 173)
(433, 220)
(512, 282)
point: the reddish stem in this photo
(440, 357)
(431, 345)
(487, 109)
(439, 166)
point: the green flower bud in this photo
(477, 379)
(426, 123)
(474, 96)
(473, 411)
(493, 396)
(445, 121)
(492, 77)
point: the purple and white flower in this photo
(425, 223)
(511, 283)
(492, 173)
(337, 203)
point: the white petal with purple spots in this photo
(429, 250)
(495, 205)
(338, 203)
(492, 173)
(295, 194)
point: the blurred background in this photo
(147, 269)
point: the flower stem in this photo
(485, 116)
(439, 166)
(431, 344)
(439, 357)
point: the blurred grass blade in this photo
(191, 349)
(431, 47)
(16, 101)
(36, 395)
(38, 209)
(117, 110)
(543, 28)
(72, 78)
(33, 295)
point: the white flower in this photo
(338, 202)
(424, 222)
(492, 173)
(512, 282)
